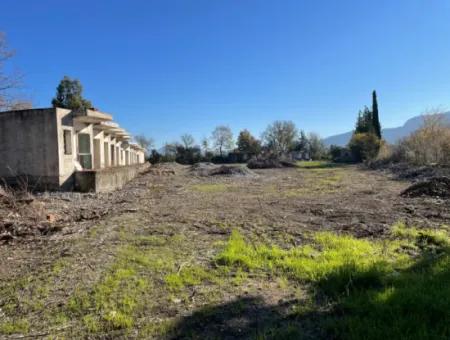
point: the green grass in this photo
(188, 276)
(379, 291)
(113, 302)
(315, 164)
(14, 327)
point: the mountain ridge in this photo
(391, 135)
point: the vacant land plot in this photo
(317, 251)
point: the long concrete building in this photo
(60, 149)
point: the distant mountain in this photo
(391, 135)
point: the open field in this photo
(313, 252)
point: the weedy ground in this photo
(312, 252)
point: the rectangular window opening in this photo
(67, 142)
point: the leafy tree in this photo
(340, 154)
(189, 155)
(364, 146)
(248, 144)
(317, 148)
(280, 136)
(187, 140)
(375, 116)
(155, 157)
(223, 139)
(69, 95)
(364, 123)
(302, 145)
(145, 142)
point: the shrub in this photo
(364, 146)
(428, 145)
(340, 154)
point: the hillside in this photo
(391, 135)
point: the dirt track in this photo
(180, 221)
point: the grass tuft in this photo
(378, 290)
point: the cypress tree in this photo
(375, 118)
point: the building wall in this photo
(67, 162)
(107, 179)
(29, 146)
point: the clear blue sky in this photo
(167, 67)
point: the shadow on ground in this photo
(413, 303)
(247, 318)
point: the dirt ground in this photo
(63, 279)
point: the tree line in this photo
(279, 139)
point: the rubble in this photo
(434, 187)
(210, 169)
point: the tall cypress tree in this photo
(375, 118)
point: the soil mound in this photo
(228, 170)
(269, 163)
(436, 187)
(210, 169)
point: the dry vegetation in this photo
(317, 251)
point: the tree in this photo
(155, 157)
(145, 142)
(280, 136)
(223, 139)
(302, 145)
(69, 95)
(248, 144)
(364, 146)
(205, 145)
(375, 116)
(9, 81)
(187, 140)
(430, 144)
(364, 123)
(317, 148)
(169, 152)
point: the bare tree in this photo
(205, 144)
(187, 140)
(9, 81)
(280, 136)
(223, 139)
(145, 142)
(429, 144)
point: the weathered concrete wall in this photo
(66, 162)
(29, 147)
(107, 179)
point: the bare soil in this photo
(181, 220)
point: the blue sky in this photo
(167, 67)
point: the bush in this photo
(340, 154)
(364, 146)
(428, 145)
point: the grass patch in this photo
(378, 290)
(14, 327)
(188, 276)
(328, 254)
(315, 164)
(317, 181)
(113, 302)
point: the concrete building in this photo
(60, 149)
